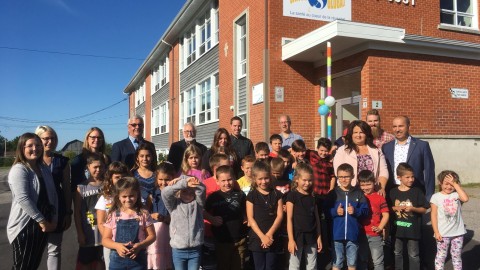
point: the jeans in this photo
(311, 253)
(264, 260)
(339, 254)
(413, 253)
(54, 249)
(127, 232)
(370, 247)
(121, 263)
(187, 259)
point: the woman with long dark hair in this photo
(34, 203)
(222, 144)
(360, 152)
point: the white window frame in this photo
(140, 95)
(241, 47)
(455, 13)
(191, 47)
(163, 123)
(191, 102)
(156, 121)
(205, 34)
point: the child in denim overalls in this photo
(129, 228)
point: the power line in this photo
(72, 54)
(62, 121)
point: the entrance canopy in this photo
(346, 37)
(349, 38)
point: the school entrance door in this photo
(347, 110)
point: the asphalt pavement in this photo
(470, 255)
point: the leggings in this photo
(28, 247)
(455, 251)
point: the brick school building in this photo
(259, 59)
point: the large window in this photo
(241, 45)
(160, 119)
(199, 104)
(200, 37)
(458, 12)
(159, 75)
(140, 94)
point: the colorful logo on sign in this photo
(331, 4)
(318, 3)
(325, 10)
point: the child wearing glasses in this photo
(346, 205)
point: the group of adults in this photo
(368, 147)
(42, 182)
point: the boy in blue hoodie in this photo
(346, 205)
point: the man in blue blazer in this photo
(124, 150)
(413, 151)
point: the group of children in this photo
(287, 202)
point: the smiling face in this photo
(304, 182)
(262, 154)
(49, 141)
(407, 179)
(189, 133)
(446, 187)
(374, 122)
(284, 124)
(367, 187)
(358, 136)
(400, 128)
(344, 179)
(95, 141)
(262, 180)
(32, 150)
(224, 181)
(247, 169)
(236, 128)
(135, 128)
(95, 169)
(162, 179)
(116, 177)
(128, 198)
(322, 151)
(222, 140)
(144, 158)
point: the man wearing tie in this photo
(124, 150)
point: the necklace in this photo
(268, 205)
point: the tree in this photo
(12, 144)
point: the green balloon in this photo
(321, 102)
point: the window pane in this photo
(202, 118)
(464, 21)
(446, 18)
(464, 6)
(446, 4)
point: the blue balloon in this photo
(323, 110)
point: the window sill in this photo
(461, 29)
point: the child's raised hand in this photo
(292, 247)
(174, 181)
(340, 210)
(193, 182)
(350, 209)
(449, 179)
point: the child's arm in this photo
(77, 205)
(332, 183)
(419, 210)
(266, 241)
(149, 239)
(278, 219)
(462, 195)
(101, 220)
(199, 191)
(383, 223)
(434, 216)
(319, 230)
(168, 193)
(292, 246)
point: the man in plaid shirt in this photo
(380, 136)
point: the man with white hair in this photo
(175, 155)
(124, 150)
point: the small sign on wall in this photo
(257, 93)
(279, 94)
(459, 93)
(376, 104)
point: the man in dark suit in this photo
(175, 155)
(124, 150)
(413, 151)
(243, 146)
(417, 154)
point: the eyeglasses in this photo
(188, 131)
(95, 138)
(136, 125)
(344, 177)
(36, 146)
